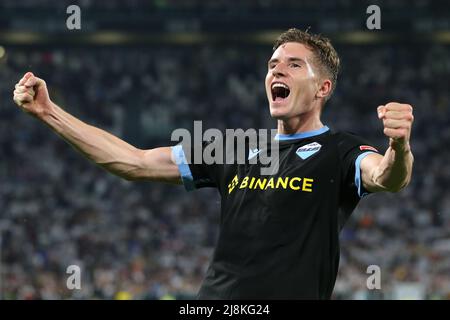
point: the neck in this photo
(301, 123)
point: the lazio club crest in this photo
(308, 150)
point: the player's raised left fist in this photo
(31, 95)
(397, 121)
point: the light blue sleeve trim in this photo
(358, 182)
(183, 167)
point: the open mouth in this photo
(280, 91)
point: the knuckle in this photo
(406, 107)
(391, 105)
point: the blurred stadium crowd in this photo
(152, 241)
(209, 5)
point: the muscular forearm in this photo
(394, 170)
(108, 151)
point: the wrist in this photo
(46, 111)
(400, 146)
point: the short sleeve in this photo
(195, 172)
(353, 150)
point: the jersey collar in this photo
(301, 135)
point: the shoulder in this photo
(343, 138)
(347, 141)
(344, 135)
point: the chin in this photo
(278, 113)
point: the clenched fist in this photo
(31, 95)
(397, 121)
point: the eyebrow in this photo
(290, 59)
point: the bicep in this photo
(369, 165)
(158, 164)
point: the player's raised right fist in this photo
(31, 95)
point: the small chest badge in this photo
(308, 150)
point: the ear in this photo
(324, 89)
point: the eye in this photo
(295, 65)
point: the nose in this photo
(278, 71)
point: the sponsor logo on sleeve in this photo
(367, 148)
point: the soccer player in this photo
(279, 235)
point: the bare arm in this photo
(103, 148)
(391, 172)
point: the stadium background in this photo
(140, 69)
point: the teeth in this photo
(279, 85)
